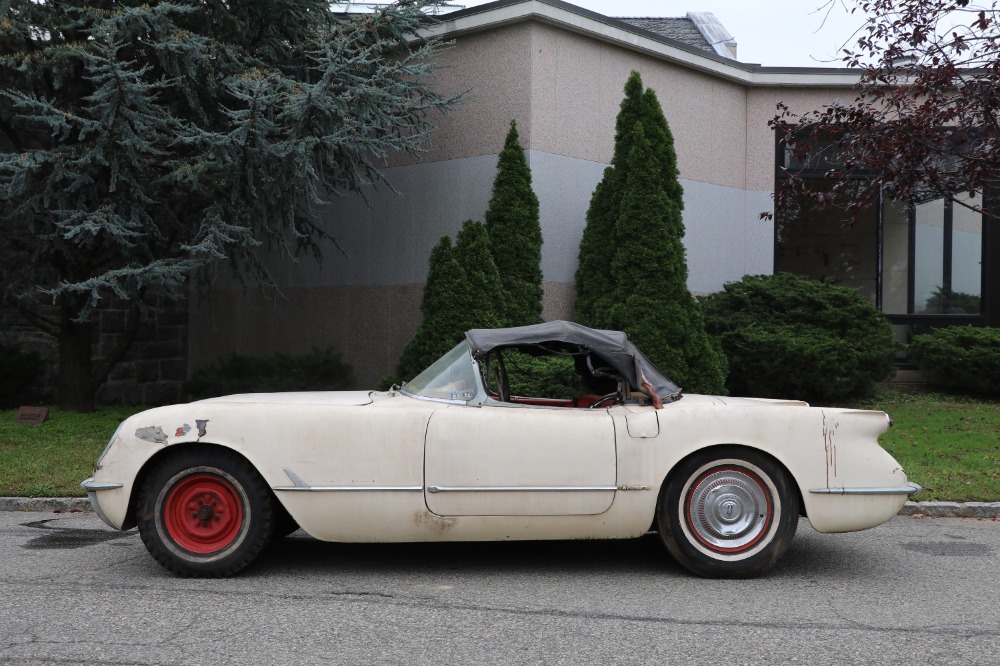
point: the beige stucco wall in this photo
(564, 90)
(491, 71)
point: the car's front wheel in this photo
(728, 513)
(205, 514)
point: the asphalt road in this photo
(912, 591)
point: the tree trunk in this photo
(76, 384)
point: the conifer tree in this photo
(593, 275)
(462, 291)
(516, 234)
(142, 143)
(650, 297)
(487, 302)
(632, 272)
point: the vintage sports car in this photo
(458, 454)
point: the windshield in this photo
(451, 377)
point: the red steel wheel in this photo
(203, 513)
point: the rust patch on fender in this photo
(433, 522)
(153, 434)
(830, 447)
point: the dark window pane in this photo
(819, 244)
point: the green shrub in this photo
(515, 234)
(632, 269)
(962, 358)
(462, 291)
(542, 376)
(788, 336)
(17, 370)
(320, 370)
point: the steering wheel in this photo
(603, 399)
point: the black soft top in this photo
(612, 347)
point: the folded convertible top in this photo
(613, 347)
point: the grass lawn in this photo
(948, 444)
(51, 459)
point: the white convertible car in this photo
(454, 456)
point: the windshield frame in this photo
(458, 364)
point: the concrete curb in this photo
(53, 504)
(952, 509)
(928, 509)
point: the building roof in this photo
(717, 61)
(681, 29)
(701, 30)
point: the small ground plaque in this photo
(31, 415)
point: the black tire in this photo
(728, 513)
(204, 513)
(284, 524)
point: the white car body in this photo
(393, 467)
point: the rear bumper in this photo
(909, 489)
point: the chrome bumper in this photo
(909, 489)
(93, 487)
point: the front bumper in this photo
(93, 487)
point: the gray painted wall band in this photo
(389, 243)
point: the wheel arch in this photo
(131, 517)
(679, 463)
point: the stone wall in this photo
(151, 373)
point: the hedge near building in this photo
(787, 336)
(960, 358)
(632, 271)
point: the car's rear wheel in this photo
(205, 514)
(728, 513)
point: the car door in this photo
(519, 461)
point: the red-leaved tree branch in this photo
(924, 123)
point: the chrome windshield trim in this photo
(909, 489)
(93, 486)
(424, 397)
(520, 489)
(348, 489)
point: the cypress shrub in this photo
(462, 291)
(632, 271)
(961, 358)
(788, 336)
(515, 234)
(651, 301)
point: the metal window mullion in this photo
(946, 249)
(911, 258)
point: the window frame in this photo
(989, 314)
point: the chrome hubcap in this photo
(728, 509)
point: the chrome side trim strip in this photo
(91, 486)
(356, 489)
(520, 489)
(894, 490)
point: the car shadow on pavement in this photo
(302, 553)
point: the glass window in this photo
(818, 243)
(895, 257)
(966, 256)
(946, 261)
(451, 377)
